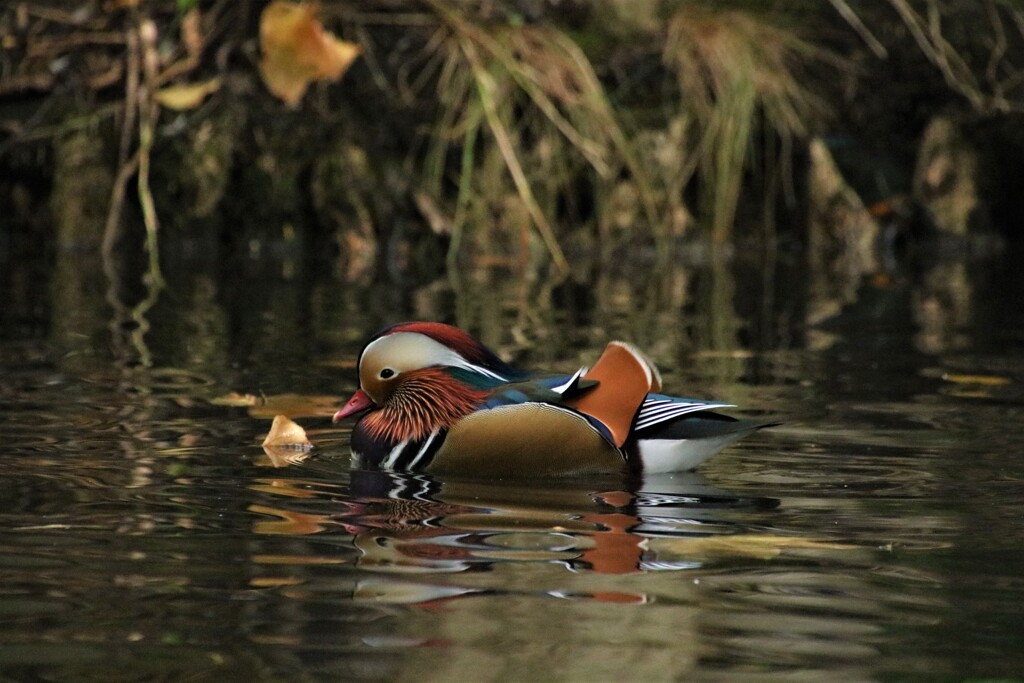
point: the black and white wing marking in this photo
(657, 408)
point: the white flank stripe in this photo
(561, 388)
(423, 449)
(389, 462)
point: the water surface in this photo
(876, 535)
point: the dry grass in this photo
(529, 94)
(737, 75)
(532, 92)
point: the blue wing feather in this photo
(549, 389)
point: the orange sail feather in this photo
(625, 377)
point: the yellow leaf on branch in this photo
(297, 50)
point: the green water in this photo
(876, 535)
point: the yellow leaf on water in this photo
(985, 380)
(235, 399)
(294, 405)
(285, 432)
(183, 96)
(296, 559)
(275, 581)
(297, 50)
(762, 547)
(970, 393)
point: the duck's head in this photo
(422, 362)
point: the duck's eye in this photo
(387, 373)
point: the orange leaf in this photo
(297, 50)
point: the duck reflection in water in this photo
(419, 524)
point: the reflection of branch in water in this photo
(129, 323)
(138, 314)
(139, 102)
(121, 311)
(112, 230)
(128, 326)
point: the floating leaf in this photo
(236, 400)
(758, 546)
(970, 393)
(275, 581)
(984, 380)
(297, 50)
(285, 432)
(294, 405)
(296, 559)
(184, 96)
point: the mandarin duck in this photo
(432, 398)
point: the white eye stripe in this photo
(404, 351)
(466, 365)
